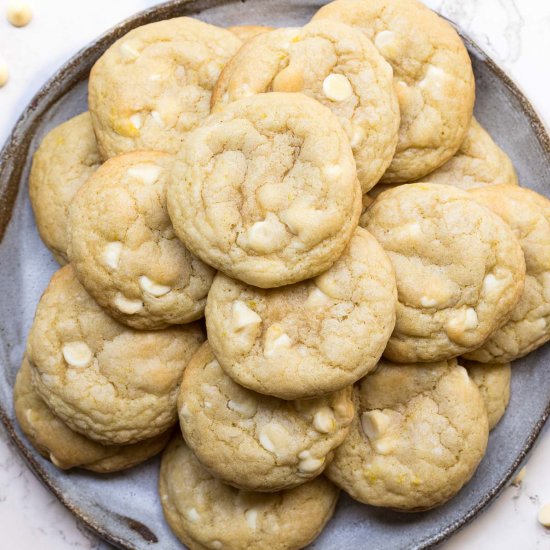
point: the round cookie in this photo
(246, 32)
(493, 381)
(110, 383)
(528, 215)
(459, 269)
(418, 436)
(334, 64)
(67, 448)
(266, 190)
(205, 513)
(310, 338)
(124, 250)
(478, 162)
(153, 85)
(65, 159)
(432, 74)
(256, 442)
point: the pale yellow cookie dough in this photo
(205, 513)
(253, 441)
(419, 434)
(246, 32)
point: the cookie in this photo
(493, 381)
(419, 434)
(334, 64)
(153, 85)
(205, 513)
(66, 448)
(432, 74)
(459, 269)
(528, 215)
(65, 159)
(310, 338)
(246, 32)
(252, 441)
(124, 250)
(478, 162)
(108, 382)
(266, 191)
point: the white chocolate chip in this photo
(243, 316)
(310, 464)
(185, 412)
(125, 305)
(337, 87)
(433, 81)
(324, 421)
(465, 319)
(192, 515)
(77, 354)
(491, 284)
(540, 324)
(147, 173)
(136, 121)
(153, 288)
(317, 298)
(383, 446)
(110, 255)
(54, 460)
(246, 408)
(275, 341)
(19, 13)
(216, 544)
(329, 284)
(544, 515)
(427, 301)
(155, 115)
(4, 73)
(386, 43)
(128, 51)
(274, 438)
(266, 236)
(519, 477)
(375, 424)
(333, 171)
(357, 136)
(471, 321)
(251, 517)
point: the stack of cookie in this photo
(323, 196)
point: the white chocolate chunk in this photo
(465, 319)
(243, 316)
(216, 544)
(155, 115)
(126, 305)
(275, 341)
(386, 43)
(155, 289)
(433, 81)
(375, 424)
(274, 438)
(136, 121)
(251, 517)
(128, 51)
(357, 136)
(329, 284)
(427, 301)
(544, 515)
(192, 515)
(337, 87)
(310, 464)
(54, 460)
(491, 284)
(540, 324)
(317, 298)
(146, 173)
(519, 477)
(266, 236)
(77, 354)
(19, 14)
(110, 255)
(324, 421)
(246, 408)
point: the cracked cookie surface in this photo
(334, 64)
(124, 250)
(253, 441)
(459, 269)
(418, 436)
(432, 74)
(106, 381)
(266, 190)
(65, 159)
(154, 84)
(205, 513)
(310, 338)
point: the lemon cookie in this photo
(419, 434)
(253, 441)
(432, 74)
(266, 191)
(66, 448)
(153, 85)
(334, 64)
(66, 158)
(206, 513)
(528, 214)
(310, 338)
(124, 250)
(459, 269)
(110, 383)
(246, 32)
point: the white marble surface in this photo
(516, 33)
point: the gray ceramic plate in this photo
(124, 508)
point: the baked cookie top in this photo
(65, 159)
(253, 441)
(246, 32)
(432, 74)
(108, 382)
(528, 215)
(124, 250)
(478, 162)
(205, 513)
(310, 338)
(459, 269)
(266, 190)
(153, 85)
(334, 64)
(418, 436)
(66, 448)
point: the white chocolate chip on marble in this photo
(386, 43)
(155, 289)
(126, 305)
(246, 408)
(77, 354)
(19, 14)
(146, 173)
(337, 87)
(192, 515)
(519, 477)
(276, 340)
(251, 517)
(110, 256)
(317, 298)
(128, 51)
(243, 316)
(4, 73)
(375, 424)
(267, 235)
(544, 515)
(324, 421)
(274, 438)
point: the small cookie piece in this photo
(419, 435)
(246, 32)
(54, 440)
(334, 64)
(253, 441)
(205, 513)
(528, 214)
(110, 383)
(459, 268)
(314, 337)
(153, 85)
(65, 160)
(266, 190)
(478, 162)
(432, 73)
(493, 381)
(124, 250)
